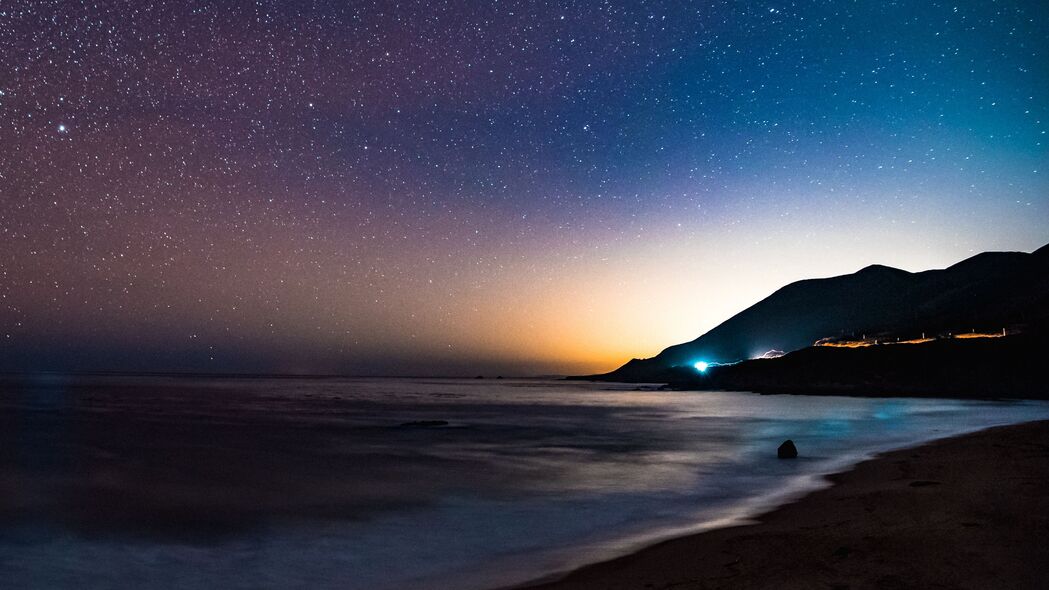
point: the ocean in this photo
(194, 482)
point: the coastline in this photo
(970, 511)
(999, 367)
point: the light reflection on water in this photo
(316, 483)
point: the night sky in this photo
(504, 187)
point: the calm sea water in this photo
(121, 482)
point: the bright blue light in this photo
(701, 366)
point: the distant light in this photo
(701, 366)
(61, 128)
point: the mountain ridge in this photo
(987, 291)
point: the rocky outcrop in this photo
(787, 450)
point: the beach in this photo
(965, 512)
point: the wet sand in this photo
(965, 512)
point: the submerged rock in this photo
(787, 450)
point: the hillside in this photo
(1010, 367)
(987, 292)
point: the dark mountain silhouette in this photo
(987, 292)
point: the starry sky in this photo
(453, 188)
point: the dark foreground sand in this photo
(966, 512)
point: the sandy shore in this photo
(966, 512)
